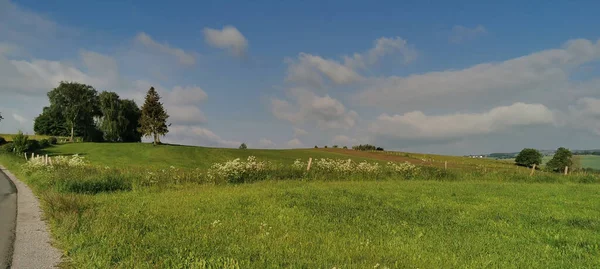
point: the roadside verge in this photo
(32, 248)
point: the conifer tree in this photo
(154, 117)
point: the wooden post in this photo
(46, 159)
(309, 162)
(25, 156)
(446, 165)
(32, 155)
(566, 170)
(532, 170)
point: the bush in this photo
(528, 157)
(2, 141)
(44, 143)
(345, 147)
(243, 146)
(33, 145)
(53, 140)
(7, 148)
(335, 146)
(316, 147)
(325, 146)
(379, 148)
(21, 143)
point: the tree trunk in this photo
(72, 132)
(155, 139)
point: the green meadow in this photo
(474, 214)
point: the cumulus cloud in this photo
(185, 95)
(461, 33)
(326, 111)
(295, 143)
(299, 132)
(228, 38)
(182, 57)
(585, 114)
(266, 143)
(418, 126)
(194, 135)
(382, 47)
(343, 140)
(308, 68)
(543, 72)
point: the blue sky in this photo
(455, 77)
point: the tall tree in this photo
(112, 117)
(78, 103)
(130, 126)
(528, 157)
(154, 117)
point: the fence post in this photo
(446, 165)
(32, 155)
(25, 156)
(566, 170)
(532, 170)
(309, 162)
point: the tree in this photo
(51, 122)
(78, 104)
(528, 157)
(154, 117)
(1, 118)
(131, 114)
(112, 117)
(561, 159)
(243, 146)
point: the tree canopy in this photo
(528, 157)
(153, 121)
(78, 104)
(561, 159)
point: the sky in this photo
(447, 77)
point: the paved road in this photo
(8, 214)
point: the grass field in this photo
(477, 216)
(590, 161)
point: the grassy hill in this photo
(479, 213)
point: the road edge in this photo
(32, 246)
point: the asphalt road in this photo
(8, 215)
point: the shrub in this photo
(345, 147)
(379, 148)
(2, 141)
(335, 146)
(33, 145)
(243, 146)
(237, 171)
(7, 148)
(528, 157)
(325, 146)
(316, 147)
(366, 147)
(44, 143)
(53, 140)
(21, 143)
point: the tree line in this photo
(529, 157)
(79, 110)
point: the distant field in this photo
(9, 137)
(590, 161)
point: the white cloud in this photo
(418, 126)
(185, 114)
(185, 95)
(541, 72)
(194, 135)
(382, 47)
(308, 68)
(325, 111)
(228, 38)
(343, 140)
(585, 114)
(461, 33)
(266, 143)
(299, 132)
(182, 57)
(295, 143)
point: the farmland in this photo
(477, 213)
